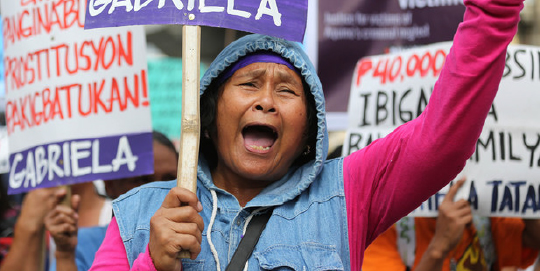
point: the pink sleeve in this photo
(112, 254)
(391, 177)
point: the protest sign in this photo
(350, 30)
(77, 106)
(280, 18)
(503, 175)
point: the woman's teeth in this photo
(260, 148)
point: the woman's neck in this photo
(243, 189)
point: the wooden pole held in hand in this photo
(66, 201)
(189, 138)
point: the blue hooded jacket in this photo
(308, 227)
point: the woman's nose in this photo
(265, 102)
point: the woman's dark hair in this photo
(208, 125)
(208, 105)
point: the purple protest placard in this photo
(350, 30)
(280, 18)
(81, 160)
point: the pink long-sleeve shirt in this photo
(424, 154)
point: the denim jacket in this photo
(308, 226)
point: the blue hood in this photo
(297, 179)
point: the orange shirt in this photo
(383, 253)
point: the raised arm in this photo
(394, 175)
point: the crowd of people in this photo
(268, 198)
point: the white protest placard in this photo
(77, 103)
(503, 175)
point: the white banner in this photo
(503, 175)
(77, 104)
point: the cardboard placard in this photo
(503, 175)
(77, 104)
(280, 18)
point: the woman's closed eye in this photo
(248, 84)
(289, 91)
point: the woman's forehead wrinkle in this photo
(283, 75)
(288, 77)
(251, 73)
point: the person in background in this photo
(27, 252)
(165, 167)
(263, 148)
(455, 241)
(76, 245)
(30, 241)
(93, 210)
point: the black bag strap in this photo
(248, 242)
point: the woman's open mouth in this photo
(259, 137)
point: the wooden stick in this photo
(189, 138)
(66, 201)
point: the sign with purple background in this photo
(81, 160)
(279, 18)
(352, 29)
